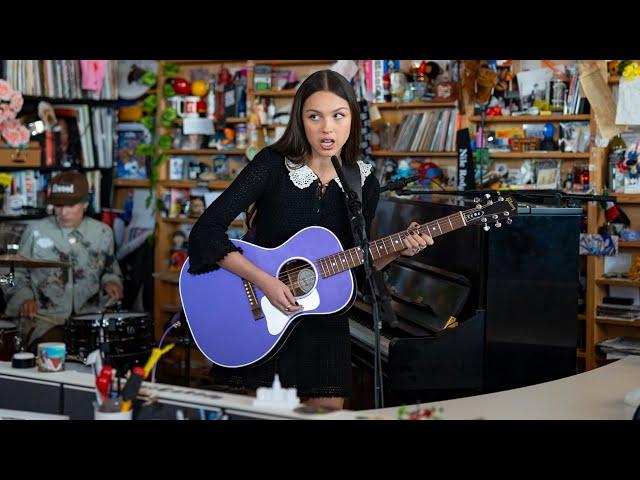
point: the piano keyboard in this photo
(365, 336)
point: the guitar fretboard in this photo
(354, 257)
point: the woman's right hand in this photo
(28, 308)
(279, 295)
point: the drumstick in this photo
(46, 319)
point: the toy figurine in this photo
(178, 253)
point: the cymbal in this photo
(26, 262)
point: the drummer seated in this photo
(44, 298)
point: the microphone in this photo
(400, 183)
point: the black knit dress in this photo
(316, 357)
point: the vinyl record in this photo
(130, 85)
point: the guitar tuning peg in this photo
(479, 207)
(476, 200)
(486, 228)
(506, 214)
(487, 195)
(500, 199)
(489, 202)
(509, 221)
(498, 224)
(495, 217)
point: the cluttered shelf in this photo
(531, 118)
(539, 154)
(626, 197)
(87, 101)
(391, 153)
(204, 151)
(617, 282)
(275, 93)
(416, 104)
(620, 323)
(131, 182)
(202, 62)
(211, 184)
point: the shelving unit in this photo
(599, 329)
(394, 112)
(595, 157)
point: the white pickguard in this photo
(276, 320)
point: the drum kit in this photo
(125, 338)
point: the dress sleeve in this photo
(208, 240)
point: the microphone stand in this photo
(379, 292)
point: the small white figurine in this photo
(276, 396)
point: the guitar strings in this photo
(403, 234)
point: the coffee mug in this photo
(185, 106)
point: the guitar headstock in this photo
(494, 210)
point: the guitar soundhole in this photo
(299, 275)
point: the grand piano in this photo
(478, 311)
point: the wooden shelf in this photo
(92, 102)
(274, 93)
(231, 120)
(391, 153)
(211, 184)
(539, 154)
(402, 105)
(204, 151)
(582, 317)
(623, 244)
(168, 277)
(626, 197)
(619, 323)
(531, 118)
(618, 282)
(580, 353)
(171, 308)
(131, 182)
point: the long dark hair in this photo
(294, 144)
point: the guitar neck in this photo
(354, 257)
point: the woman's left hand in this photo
(415, 241)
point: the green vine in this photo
(163, 142)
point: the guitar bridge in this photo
(253, 300)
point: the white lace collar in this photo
(303, 176)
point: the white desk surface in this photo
(593, 395)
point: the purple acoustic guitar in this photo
(235, 325)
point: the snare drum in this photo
(125, 338)
(8, 334)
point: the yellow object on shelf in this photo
(199, 88)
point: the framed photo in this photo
(67, 139)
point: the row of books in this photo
(23, 192)
(104, 125)
(58, 79)
(71, 145)
(432, 131)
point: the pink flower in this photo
(16, 102)
(5, 90)
(11, 136)
(23, 135)
(6, 113)
(11, 123)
